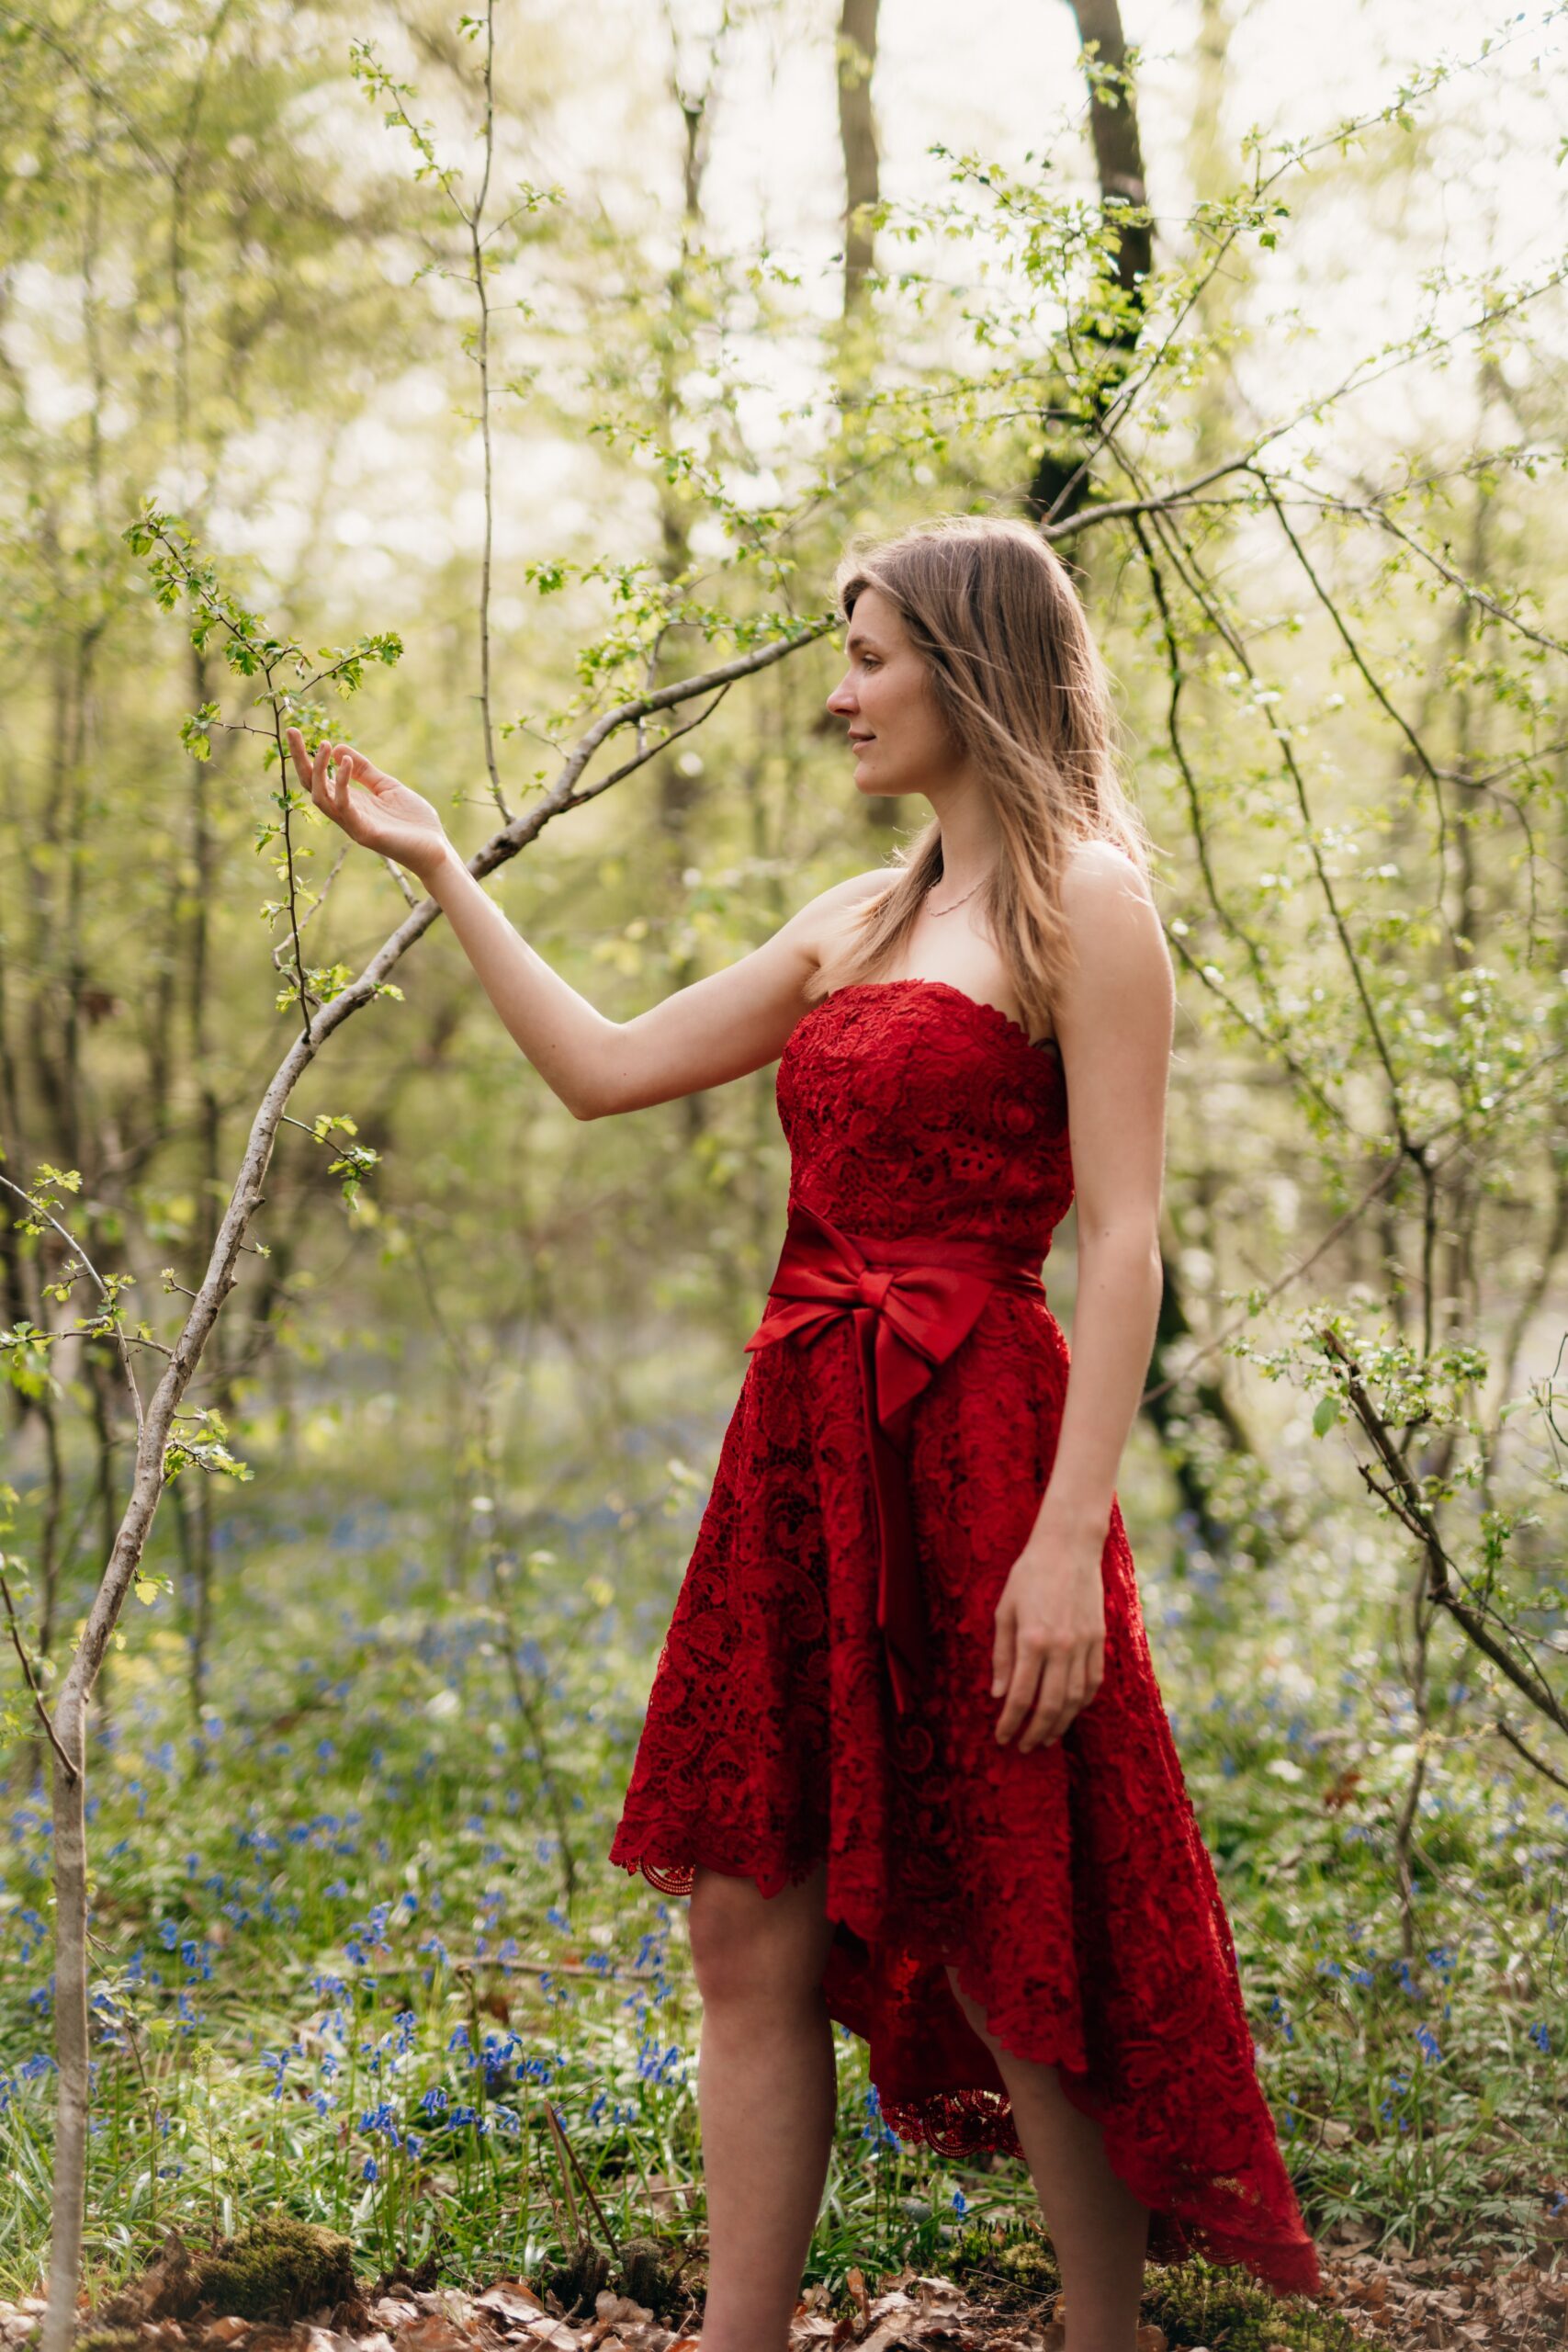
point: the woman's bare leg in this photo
(1098, 2229)
(766, 2095)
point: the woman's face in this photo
(896, 731)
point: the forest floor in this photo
(358, 1958)
(1368, 2300)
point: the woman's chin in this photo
(871, 787)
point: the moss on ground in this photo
(1229, 2311)
(279, 2269)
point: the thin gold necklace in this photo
(957, 902)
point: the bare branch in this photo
(1536, 1763)
(30, 1677)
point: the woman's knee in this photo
(748, 1947)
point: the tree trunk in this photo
(1062, 478)
(857, 135)
(856, 63)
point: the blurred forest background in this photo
(537, 365)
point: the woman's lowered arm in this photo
(1113, 1017)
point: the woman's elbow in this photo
(595, 1089)
(1132, 1239)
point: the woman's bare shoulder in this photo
(822, 919)
(1120, 963)
(860, 886)
(1098, 871)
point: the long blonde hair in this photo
(1020, 685)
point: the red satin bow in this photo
(911, 1303)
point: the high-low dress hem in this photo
(967, 2122)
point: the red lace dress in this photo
(1069, 1886)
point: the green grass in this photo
(338, 1973)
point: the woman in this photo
(905, 1748)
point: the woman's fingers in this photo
(301, 763)
(1001, 1653)
(1085, 1675)
(1041, 1728)
(351, 765)
(1023, 1683)
(1047, 1688)
(326, 776)
(338, 771)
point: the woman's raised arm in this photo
(716, 1029)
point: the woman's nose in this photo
(842, 699)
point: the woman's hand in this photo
(385, 817)
(1049, 1654)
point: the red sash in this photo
(911, 1303)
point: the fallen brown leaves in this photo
(1405, 2302)
(1401, 2304)
(928, 2314)
(911, 2313)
